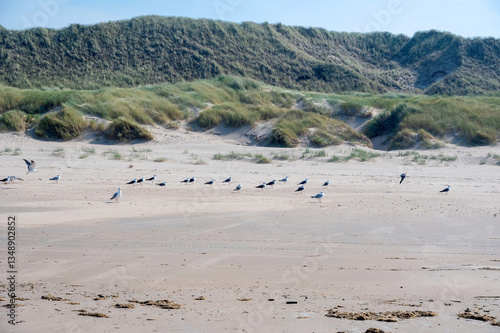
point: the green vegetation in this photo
(231, 156)
(59, 152)
(361, 155)
(13, 120)
(261, 159)
(296, 124)
(407, 121)
(154, 49)
(89, 150)
(124, 129)
(66, 124)
(9, 151)
(309, 153)
(113, 154)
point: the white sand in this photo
(370, 245)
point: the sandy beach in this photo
(267, 260)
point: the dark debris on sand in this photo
(53, 298)
(92, 314)
(388, 316)
(163, 304)
(481, 317)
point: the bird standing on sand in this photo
(132, 182)
(192, 179)
(31, 165)
(210, 182)
(185, 181)
(446, 190)
(318, 196)
(10, 179)
(303, 182)
(162, 184)
(284, 180)
(403, 176)
(300, 189)
(151, 179)
(117, 195)
(238, 188)
(325, 184)
(227, 180)
(261, 186)
(271, 183)
(56, 178)
(140, 181)
(6, 180)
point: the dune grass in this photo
(407, 120)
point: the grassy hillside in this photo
(153, 49)
(404, 120)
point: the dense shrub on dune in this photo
(123, 129)
(66, 124)
(14, 120)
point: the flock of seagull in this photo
(117, 195)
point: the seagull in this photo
(227, 180)
(162, 184)
(31, 165)
(318, 196)
(300, 189)
(185, 181)
(192, 180)
(238, 188)
(151, 179)
(272, 183)
(56, 178)
(132, 182)
(211, 182)
(10, 179)
(303, 182)
(284, 180)
(117, 195)
(326, 183)
(446, 190)
(403, 176)
(261, 186)
(7, 180)
(140, 181)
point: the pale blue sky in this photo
(467, 18)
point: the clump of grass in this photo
(335, 159)
(427, 140)
(11, 152)
(351, 108)
(89, 150)
(297, 123)
(83, 156)
(142, 150)
(231, 156)
(309, 153)
(261, 159)
(123, 129)
(66, 124)
(414, 156)
(13, 120)
(404, 139)
(444, 158)
(59, 152)
(113, 154)
(196, 160)
(160, 159)
(283, 156)
(362, 155)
